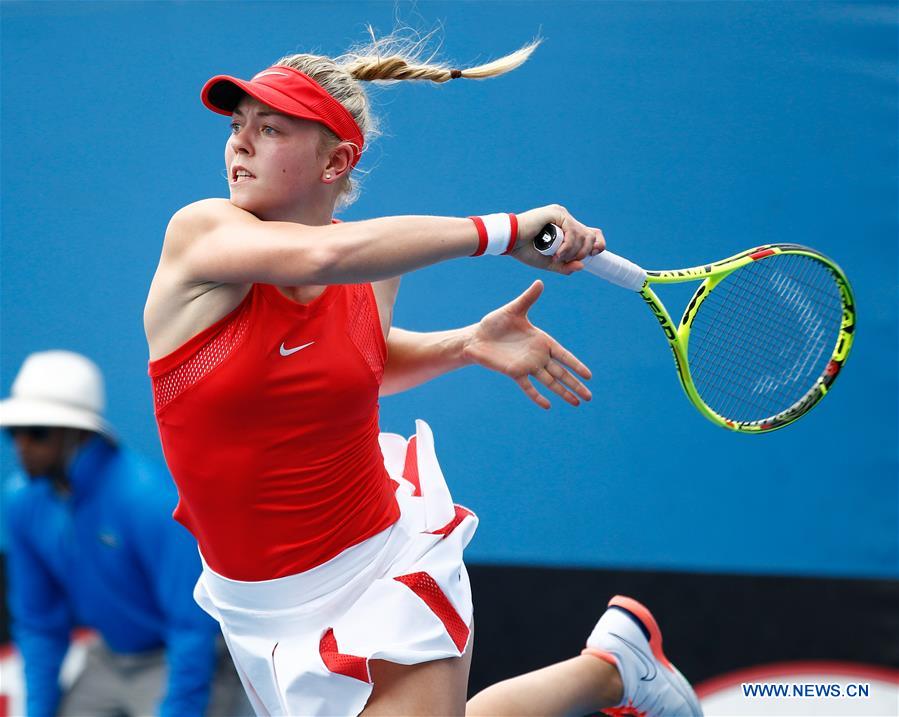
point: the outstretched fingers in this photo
(557, 380)
(569, 381)
(555, 385)
(569, 360)
(524, 382)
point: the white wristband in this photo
(499, 232)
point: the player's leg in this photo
(437, 688)
(623, 665)
(579, 686)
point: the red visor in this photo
(289, 91)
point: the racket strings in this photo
(768, 373)
(724, 387)
(779, 359)
(774, 338)
(734, 392)
(764, 335)
(737, 385)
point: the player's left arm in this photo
(414, 358)
(504, 340)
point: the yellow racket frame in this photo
(678, 335)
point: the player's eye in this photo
(235, 127)
(269, 130)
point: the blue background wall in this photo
(687, 131)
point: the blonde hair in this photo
(387, 60)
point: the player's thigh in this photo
(437, 688)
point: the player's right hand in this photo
(580, 240)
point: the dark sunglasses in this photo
(35, 433)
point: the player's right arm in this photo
(215, 241)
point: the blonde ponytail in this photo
(371, 64)
(385, 60)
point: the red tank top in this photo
(269, 425)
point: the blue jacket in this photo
(108, 556)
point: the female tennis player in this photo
(333, 553)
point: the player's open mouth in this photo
(240, 174)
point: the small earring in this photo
(327, 176)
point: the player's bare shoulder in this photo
(192, 222)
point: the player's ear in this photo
(340, 162)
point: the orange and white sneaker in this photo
(628, 637)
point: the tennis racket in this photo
(764, 336)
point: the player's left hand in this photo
(506, 341)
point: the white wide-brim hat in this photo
(60, 389)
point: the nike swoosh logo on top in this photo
(287, 352)
(265, 74)
(648, 666)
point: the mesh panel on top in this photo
(168, 386)
(364, 329)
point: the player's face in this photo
(274, 161)
(41, 449)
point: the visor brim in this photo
(223, 93)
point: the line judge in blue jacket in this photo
(91, 542)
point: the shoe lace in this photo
(627, 710)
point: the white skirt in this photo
(302, 643)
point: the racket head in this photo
(764, 336)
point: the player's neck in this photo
(310, 214)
